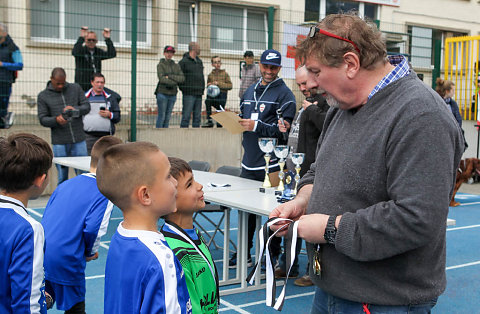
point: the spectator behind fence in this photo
(446, 89)
(10, 62)
(303, 137)
(258, 108)
(193, 86)
(249, 74)
(373, 206)
(169, 76)
(104, 111)
(220, 79)
(61, 107)
(24, 164)
(75, 219)
(88, 57)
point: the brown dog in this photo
(466, 170)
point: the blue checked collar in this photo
(401, 69)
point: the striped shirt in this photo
(401, 69)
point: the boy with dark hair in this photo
(75, 219)
(218, 80)
(24, 163)
(142, 274)
(187, 243)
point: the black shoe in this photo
(208, 124)
(7, 121)
(232, 263)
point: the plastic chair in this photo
(199, 165)
(233, 171)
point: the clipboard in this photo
(229, 120)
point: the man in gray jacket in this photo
(61, 107)
(373, 206)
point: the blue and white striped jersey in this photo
(75, 219)
(143, 275)
(22, 286)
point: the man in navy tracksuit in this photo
(258, 108)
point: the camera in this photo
(71, 113)
(102, 108)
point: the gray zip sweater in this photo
(51, 103)
(389, 169)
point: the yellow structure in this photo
(461, 66)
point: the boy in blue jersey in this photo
(75, 219)
(142, 274)
(24, 163)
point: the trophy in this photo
(297, 159)
(281, 151)
(267, 146)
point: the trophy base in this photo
(266, 190)
(278, 193)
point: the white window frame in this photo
(122, 43)
(361, 9)
(244, 34)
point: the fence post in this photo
(271, 14)
(437, 53)
(133, 107)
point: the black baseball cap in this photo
(169, 49)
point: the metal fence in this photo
(46, 30)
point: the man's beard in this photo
(332, 102)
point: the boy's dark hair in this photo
(178, 167)
(248, 53)
(23, 158)
(101, 146)
(214, 57)
(124, 167)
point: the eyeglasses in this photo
(92, 40)
(314, 30)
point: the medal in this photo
(317, 268)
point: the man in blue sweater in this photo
(373, 206)
(259, 106)
(10, 62)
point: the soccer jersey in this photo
(200, 271)
(21, 266)
(75, 219)
(142, 275)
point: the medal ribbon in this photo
(265, 241)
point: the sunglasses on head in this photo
(314, 30)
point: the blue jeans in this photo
(165, 105)
(324, 303)
(68, 150)
(191, 103)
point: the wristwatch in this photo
(330, 230)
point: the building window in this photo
(187, 24)
(316, 10)
(59, 21)
(237, 29)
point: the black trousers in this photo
(276, 243)
(216, 102)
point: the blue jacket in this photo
(22, 288)
(265, 100)
(75, 218)
(12, 61)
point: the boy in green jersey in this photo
(187, 243)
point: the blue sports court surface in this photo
(463, 268)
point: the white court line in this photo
(463, 265)
(461, 228)
(34, 212)
(466, 204)
(231, 306)
(306, 294)
(102, 244)
(95, 277)
(116, 218)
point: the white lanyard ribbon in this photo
(265, 240)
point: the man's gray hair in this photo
(3, 28)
